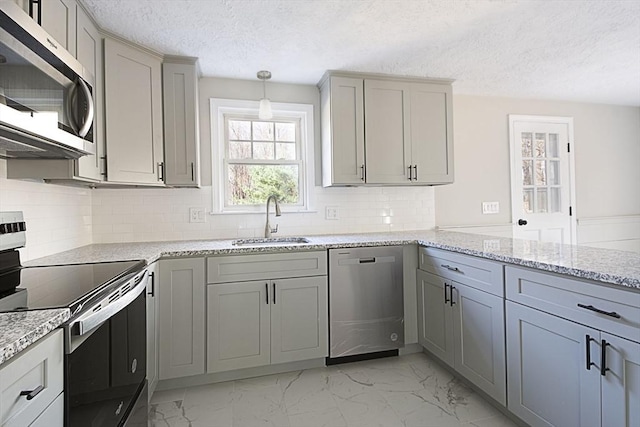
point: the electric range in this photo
(105, 338)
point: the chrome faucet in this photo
(267, 228)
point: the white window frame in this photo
(219, 109)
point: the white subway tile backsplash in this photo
(163, 214)
(58, 217)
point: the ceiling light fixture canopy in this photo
(265, 112)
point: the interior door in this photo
(541, 179)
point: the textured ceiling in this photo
(572, 50)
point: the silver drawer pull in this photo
(597, 310)
(448, 267)
(32, 393)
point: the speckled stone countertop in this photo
(20, 329)
(603, 265)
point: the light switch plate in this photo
(490, 207)
(489, 245)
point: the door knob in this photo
(522, 222)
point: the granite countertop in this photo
(18, 330)
(603, 265)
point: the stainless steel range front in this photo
(105, 339)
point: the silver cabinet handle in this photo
(362, 173)
(415, 172)
(410, 176)
(161, 171)
(448, 267)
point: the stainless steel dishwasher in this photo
(366, 305)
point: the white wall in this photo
(607, 154)
(58, 218)
(162, 214)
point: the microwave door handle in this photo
(71, 108)
(88, 117)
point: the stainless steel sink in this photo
(272, 241)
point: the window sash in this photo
(227, 161)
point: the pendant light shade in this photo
(265, 112)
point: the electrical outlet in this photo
(491, 245)
(490, 207)
(196, 215)
(331, 212)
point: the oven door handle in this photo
(92, 319)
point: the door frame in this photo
(568, 121)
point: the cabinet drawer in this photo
(41, 365)
(238, 268)
(478, 273)
(560, 295)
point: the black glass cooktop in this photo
(59, 286)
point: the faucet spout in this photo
(267, 228)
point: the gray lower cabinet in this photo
(548, 382)
(573, 351)
(181, 317)
(133, 114)
(42, 364)
(464, 327)
(262, 322)
(620, 385)
(152, 328)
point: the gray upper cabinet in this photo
(89, 53)
(58, 18)
(386, 130)
(342, 131)
(181, 134)
(133, 115)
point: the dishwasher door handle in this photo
(366, 260)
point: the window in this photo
(253, 158)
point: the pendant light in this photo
(265, 112)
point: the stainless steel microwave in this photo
(46, 101)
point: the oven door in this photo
(105, 369)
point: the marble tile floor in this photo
(405, 391)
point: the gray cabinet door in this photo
(152, 328)
(299, 318)
(181, 318)
(181, 133)
(59, 20)
(89, 53)
(621, 383)
(548, 380)
(431, 133)
(388, 131)
(435, 317)
(133, 100)
(238, 325)
(343, 131)
(478, 327)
